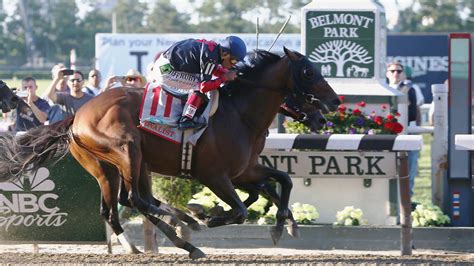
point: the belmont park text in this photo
(340, 19)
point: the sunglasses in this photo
(132, 79)
(396, 70)
(77, 80)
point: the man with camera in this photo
(32, 111)
(69, 102)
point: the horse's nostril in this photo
(336, 101)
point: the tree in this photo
(340, 52)
(94, 22)
(165, 18)
(130, 16)
(436, 16)
(225, 16)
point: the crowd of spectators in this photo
(67, 92)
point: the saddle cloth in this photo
(160, 111)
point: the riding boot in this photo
(192, 110)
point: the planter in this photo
(322, 237)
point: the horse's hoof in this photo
(194, 226)
(276, 232)
(134, 250)
(215, 221)
(197, 211)
(197, 254)
(293, 231)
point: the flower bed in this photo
(354, 121)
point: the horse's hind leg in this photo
(133, 173)
(108, 179)
(191, 223)
(160, 209)
(163, 218)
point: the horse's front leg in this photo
(224, 189)
(270, 192)
(283, 212)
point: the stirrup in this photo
(187, 123)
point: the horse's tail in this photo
(29, 150)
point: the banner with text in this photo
(117, 53)
(332, 164)
(54, 204)
(341, 43)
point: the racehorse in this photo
(104, 138)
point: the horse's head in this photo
(8, 99)
(308, 83)
(303, 112)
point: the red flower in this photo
(356, 112)
(361, 104)
(388, 126)
(378, 120)
(342, 108)
(342, 97)
(397, 128)
(384, 106)
(390, 117)
(397, 114)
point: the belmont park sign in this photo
(319, 164)
(340, 43)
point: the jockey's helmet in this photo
(235, 46)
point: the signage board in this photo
(341, 43)
(331, 164)
(55, 204)
(117, 53)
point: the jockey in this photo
(189, 66)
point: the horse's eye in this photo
(308, 73)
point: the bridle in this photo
(292, 110)
(302, 83)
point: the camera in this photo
(67, 72)
(21, 94)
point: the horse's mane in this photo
(255, 63)
(251, 68)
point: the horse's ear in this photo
(290, 54)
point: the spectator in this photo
(93, 83)
(59, 83)
(32, 111)
(133, 78)
(396, 80)
(420, 99)
(70, 102)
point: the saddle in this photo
(161, 109)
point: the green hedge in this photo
(20, 74)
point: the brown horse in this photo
(309, 113)
(104, 138)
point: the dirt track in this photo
(16, 258)
(61, 254)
